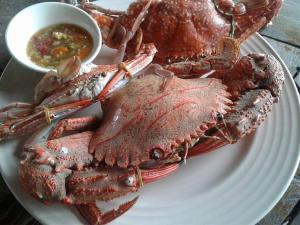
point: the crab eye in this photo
(220, 117)
(156, 154)
(130, 181)
(168, 60)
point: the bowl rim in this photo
(41, 69)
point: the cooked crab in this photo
(181, 29)
(71, 88)
(149, 127)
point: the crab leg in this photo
(90, 84)
(39, 119)
(130, 69)
(108, 28)
(227, 56)
(73, 124)
(129, 34)
(151, 175)
(105, 19)
(208, 144)
(15, 110)
(88, 5)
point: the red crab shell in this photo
(190, 28)
(141, 117)
(167, 21)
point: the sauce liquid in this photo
(52, 44)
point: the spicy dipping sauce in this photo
(52, 44)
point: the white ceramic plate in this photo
(237, 184)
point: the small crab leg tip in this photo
(94, 215)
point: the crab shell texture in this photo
(142, 117)
(42, 182)
(201, 23)
(263, 71)
(49, 163)
(62, 170)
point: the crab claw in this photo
(47, 165)
(255, 84)
(62, 153)
(249, 111)
(40, 181)
(268, 72)
(67, 70)
(94, 215)
(106, 183)
(100, 184)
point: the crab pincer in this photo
(255, 84)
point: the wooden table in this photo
(283, 35)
